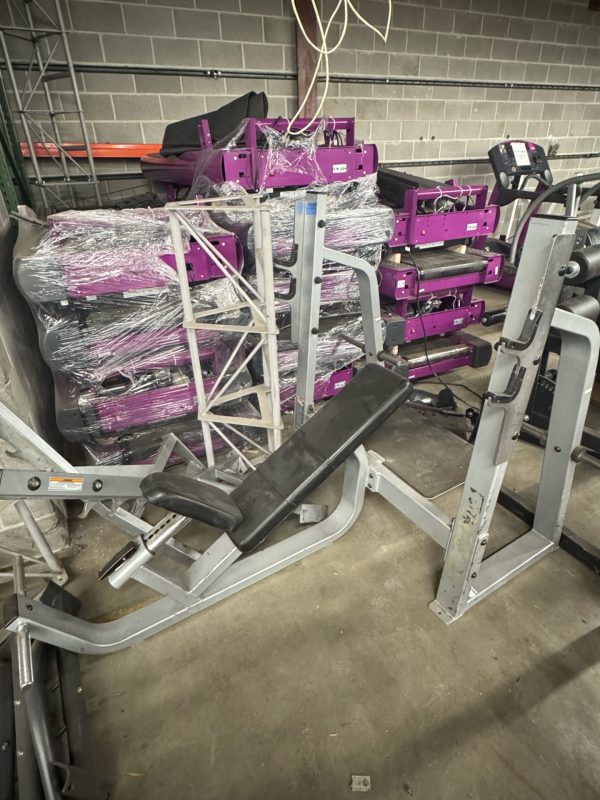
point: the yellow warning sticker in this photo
(65, 483)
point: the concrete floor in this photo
(337, 666)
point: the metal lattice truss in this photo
(254, 329)
(49, 60)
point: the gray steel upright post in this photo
(309, 275)
(533, 299)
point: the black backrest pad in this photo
(311, 454)
(181, 136)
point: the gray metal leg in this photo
(309, 272)
(369, 301)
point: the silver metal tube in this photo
(38, 537)
(18, 575)
(437, 356)
(24, 656)
(147, 548)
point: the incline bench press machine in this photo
(191, 581)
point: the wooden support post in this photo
(306, 57)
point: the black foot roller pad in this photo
(270, 493)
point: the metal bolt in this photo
(562, 271)
(4, 747)
(483, 542)
(321, 223)
(34, 483)
(514, 437)
(473, 574)
(20, 753)
(318, 280)
(314, 330)
(97, 485)
(557, 449)
(80, 689)
(29, 607)
(17, 702)
(536, 361)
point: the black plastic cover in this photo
(392, 184)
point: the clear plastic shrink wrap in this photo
(335, 357)
(109, 316)
(86, 254)
(93, 341)
(278, 154)
(356, 222)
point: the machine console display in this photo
(513, 159)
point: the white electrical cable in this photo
(325, 51)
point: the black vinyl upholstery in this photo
(192, 498)
(179, 137)
(270, 493)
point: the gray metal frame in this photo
(306, 269)
(220, 572)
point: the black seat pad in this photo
(271, 492)
(179, 137)
(192, 498)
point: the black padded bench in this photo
(270, 493)
(182, 136)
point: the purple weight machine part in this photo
(436, 213)
(96, 339)
(94, 414)
(119, 271)
(434, 295)
(439, 323)
(251, 164)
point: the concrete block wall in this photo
(536, 41)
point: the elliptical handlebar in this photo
(545, 196)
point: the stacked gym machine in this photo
(440, 227)
(105, 294)
(434, 263)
